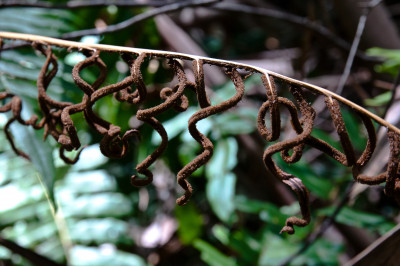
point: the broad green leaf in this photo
(235, 122)
(88, 182)
(105, 255)
(18, 71)
(13, 196)
(211, 255)
(353, 128)
(36, 21)
(386, 53)
(204, 126)
(90, 158)
(268, 212)
(220, 193)
(379, 100)
(190, 223)
(174, 126)
(221, 233)
(15, 168)
(246, 246)
(187, 152)
(320, 134)
(5, 253)
(224, 158)
(322, 252)
(223, 93)
(51, 248)
(275, 249)
(106, 230)
(23, 88)
(392, 63)
(179, 124)
(319, 185)
(360, 219)
(227, 90)
(221, 183)
(40, 153)
(25, 212)
(28, 234)
(102, 204)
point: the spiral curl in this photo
(56, 122)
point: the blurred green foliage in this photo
(391, 58)
(97, 212)
(390, 65)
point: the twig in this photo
(206, 60)
(294, 19)
(58, 123)
(143, 16)
(80, 4)
(355, 44)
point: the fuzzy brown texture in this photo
(206, 143)
(56, 122)
(303, 128)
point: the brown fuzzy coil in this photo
(55, 120)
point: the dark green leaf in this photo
(392, 63)
(89, 182)
(322, 252)
(221, 181)
(319, 185)
(246, 246)
(106, 255)
(379, 100)
(275, 249)
(353, 128)
(98, 205)
(238, 121)
(220, 192)
(190, 223)
(268, 212)
(360, 219)
(211, 255)
(106, 230)
(40, 153)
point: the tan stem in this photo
(206, 60)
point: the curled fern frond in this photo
(57, 121)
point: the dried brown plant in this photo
(57, 122)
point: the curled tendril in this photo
(391, 176)
(67, 159)
(140, 93)
(69, 139)
(303, 129)
(206, 143)
(56, 121)
(147, 116)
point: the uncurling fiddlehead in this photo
(57, 122)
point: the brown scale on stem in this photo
(56, 118)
